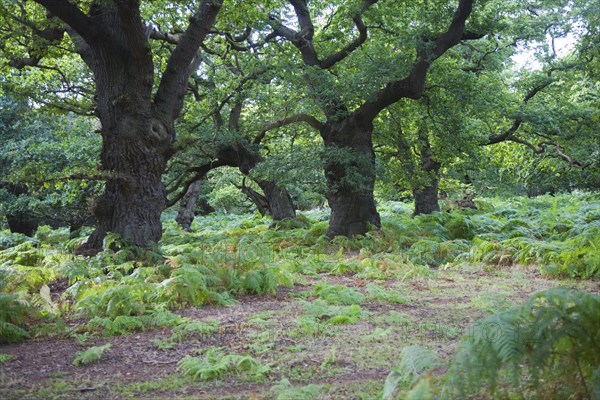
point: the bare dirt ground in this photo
(346, 361)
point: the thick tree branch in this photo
(303, 39)
(20, 63)
(75, 18)
(172, 38)
(132, 24)
(234, 117)
(171, 91)
(346, 51)
(304, 20)
(356, 43)
(569, 159)
(233, 39)
(518, 121)
(199, 173)
(412, 86)
(299, 40)
(541, 148)
(233, 93)
(309, 119)
(509, 134)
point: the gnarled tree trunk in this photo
(278, 202)
(278, 199)
(426, 197)
(136, 146)
(185, 215)
(137, 126)
(350, 173)
(260, 201)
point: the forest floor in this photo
(304, 359)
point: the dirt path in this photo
(342, 361)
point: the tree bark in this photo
(185, 216)
(278, 202)
(426, 197)
(260, 201)
(350, 174)
(138, 128)
(22, 223)
(135, 150)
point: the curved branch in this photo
(569, 159)
(303, 39)
(169, 96)
(541, 147)
(356, 43)
(172, 38)
(75, 18)
(309, 119)
(412, 86)
(299, 40)
(508, 134)
(199, 173)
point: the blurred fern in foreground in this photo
(548, 348)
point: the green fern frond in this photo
(10, 333)
(338, 294)
(90, 355)
(217, 363)
(378, 293)
(415, 361)
(553, 336)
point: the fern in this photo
(415, 361)
(4, 358)
(260, 281)
(114, 301)
(187, 329)
(14, 313)
(333, 314)
(90, 355)
(124, 324)
(187, 285)
(554, 336)
(216, 364)
(285, 391)
(378, 293)
(338, 294)
(10, 333)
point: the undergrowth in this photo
(216, 364)
(90, 355)
(547, 348)
(121, 290)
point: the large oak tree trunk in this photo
(278, 202)
(185, 215)
(138, 127)
(350, 173)
(426, 197)
(134, 197)
(136, 144)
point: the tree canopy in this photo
(311, 101)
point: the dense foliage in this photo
(297, 133)
(546, 348)
(121, 290)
